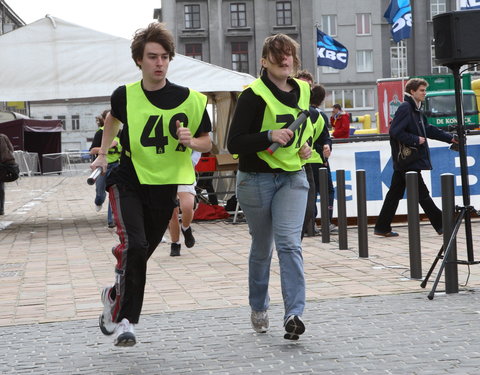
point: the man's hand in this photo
(184, 135)
(421, 140)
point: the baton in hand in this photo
(293, 126)
(93, 177)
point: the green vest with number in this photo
(113, 154)
(278, 115)
(156, 154)
(317, 130)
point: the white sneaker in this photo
(125, 334)
(259, 321)
(105, 321)
(333, 228)
(98, 207)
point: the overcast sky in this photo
(116, 17)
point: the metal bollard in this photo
(341, 210)
(448, 222)
(413, 225)
(362, 214)
(325, 216)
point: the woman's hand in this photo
(305, 152)
(282, 136)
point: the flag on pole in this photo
(330, 52)
(468, 4)
(399, 15)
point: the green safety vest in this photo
(156, 154)
(277, 115)
(113, 153)
(317, 130)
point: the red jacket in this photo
(341, 125)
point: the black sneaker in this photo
(188, 236)
(175, 249)
(294, 327)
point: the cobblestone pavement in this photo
(390, 334)
(363, 315)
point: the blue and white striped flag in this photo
(399, 15)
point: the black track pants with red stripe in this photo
(140, 228)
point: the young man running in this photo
(162, 124)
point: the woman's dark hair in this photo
(155, 32)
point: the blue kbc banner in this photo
(399, 15)
(330, 52)
(469, 4)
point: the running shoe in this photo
(189, 239)
(107, 326)
(125, 334)
(259, 321)
(175, 249)
(294, 327)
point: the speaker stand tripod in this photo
(465, 211)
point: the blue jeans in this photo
(274, 205)
(101, 194)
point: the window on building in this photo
(240, 57)
(353, 99)
(437, 69)
(364, 24)
(75, 122)
(192, 16)
(398, 59)
(62, 119)
(284, 13)
(194, 50)
(47, 117)
(329, 24)
(238, 15)
(364, 61)
(437, 6)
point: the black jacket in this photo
(408, 124)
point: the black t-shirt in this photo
(168, 97)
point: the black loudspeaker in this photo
(457, 37)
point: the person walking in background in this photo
(309, 220)
(323, 147)
(162, 124)
(410, 127)
(272, 188)
(113, 157)
(8, 168)
(340, 122)
(186, 204)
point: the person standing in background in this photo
(340, 122)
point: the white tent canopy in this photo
(54, 59)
